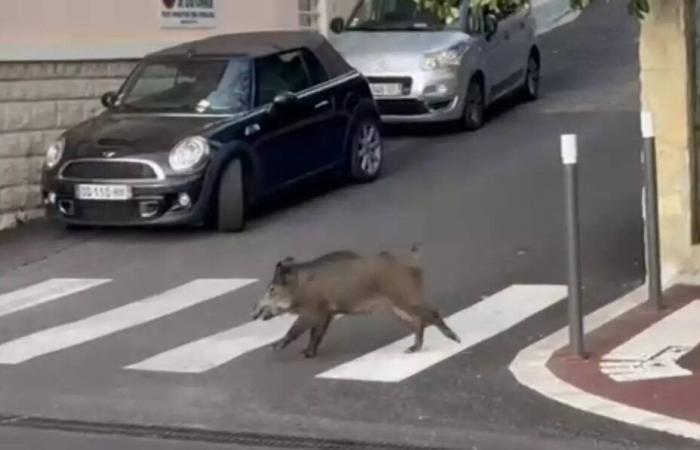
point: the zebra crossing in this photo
(389, 364)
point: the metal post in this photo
(652, 211)
(569, 155)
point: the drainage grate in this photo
(199, 435)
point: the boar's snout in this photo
(263, 312)
(258, 312)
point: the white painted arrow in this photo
(654, 353)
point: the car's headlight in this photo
(189, 153)
(444, 59)
(55, 153)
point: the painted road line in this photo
(653, 353)
(216, 350)
(473, 325)
(45, 292)
(127, 316)
(530, 369)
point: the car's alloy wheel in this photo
(231, 207)
(367, 151)
(474, 106)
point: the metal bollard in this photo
(569, 156)
(652, 211)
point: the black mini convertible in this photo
(200, 131)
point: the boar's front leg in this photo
(295, 331)
(317, 333)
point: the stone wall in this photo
(37, 101)
(668, 90)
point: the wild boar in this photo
(345, 283)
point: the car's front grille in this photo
(110, 212)
(402, 107)
(108, 170)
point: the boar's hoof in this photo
(279, 345)
(308, 354)
(413, 349)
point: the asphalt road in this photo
(487, 207)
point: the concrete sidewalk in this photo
(643, 365)
(550, 14)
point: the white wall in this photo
(87, 29)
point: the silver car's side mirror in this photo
(490, 26)
(337, 25)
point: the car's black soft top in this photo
(260, 44)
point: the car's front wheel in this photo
(367, 151)
(474, 106)
(531, 88)
(231, 207)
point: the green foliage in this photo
(638, 8)
(448, 10)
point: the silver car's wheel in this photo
(474, 106)
(531, 88)
(367, 152)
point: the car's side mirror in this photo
(491, 26)
(108, 99)
(337, 25)
(283, 103)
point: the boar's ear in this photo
(288, 275)
(285, 261)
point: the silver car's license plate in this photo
(386, 89)
(112, 192)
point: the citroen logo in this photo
(382, 65)
(108, 154)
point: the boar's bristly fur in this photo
(345, 283)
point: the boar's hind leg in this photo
(419, 327)
(295, 331)
(416, 322)
(433, 317)
(420, 316)
(317, 334)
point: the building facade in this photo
(57, 57)
(670, 78)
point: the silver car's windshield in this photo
(190, 85)
(398, 15)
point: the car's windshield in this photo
(398, 15)
(190, 86)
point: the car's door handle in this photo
(506, 36)
(323, 104)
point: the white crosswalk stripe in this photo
(127, 316)
(475, 324)
(45, 292)
(213, 351)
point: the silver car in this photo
(434, 62)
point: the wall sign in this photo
(187, 13)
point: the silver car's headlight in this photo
(55, 153)
(189, 153)
(445, 59)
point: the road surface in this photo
(153, 328)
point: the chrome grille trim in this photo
(160, 175)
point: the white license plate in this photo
(386, 89)
(102, 192)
